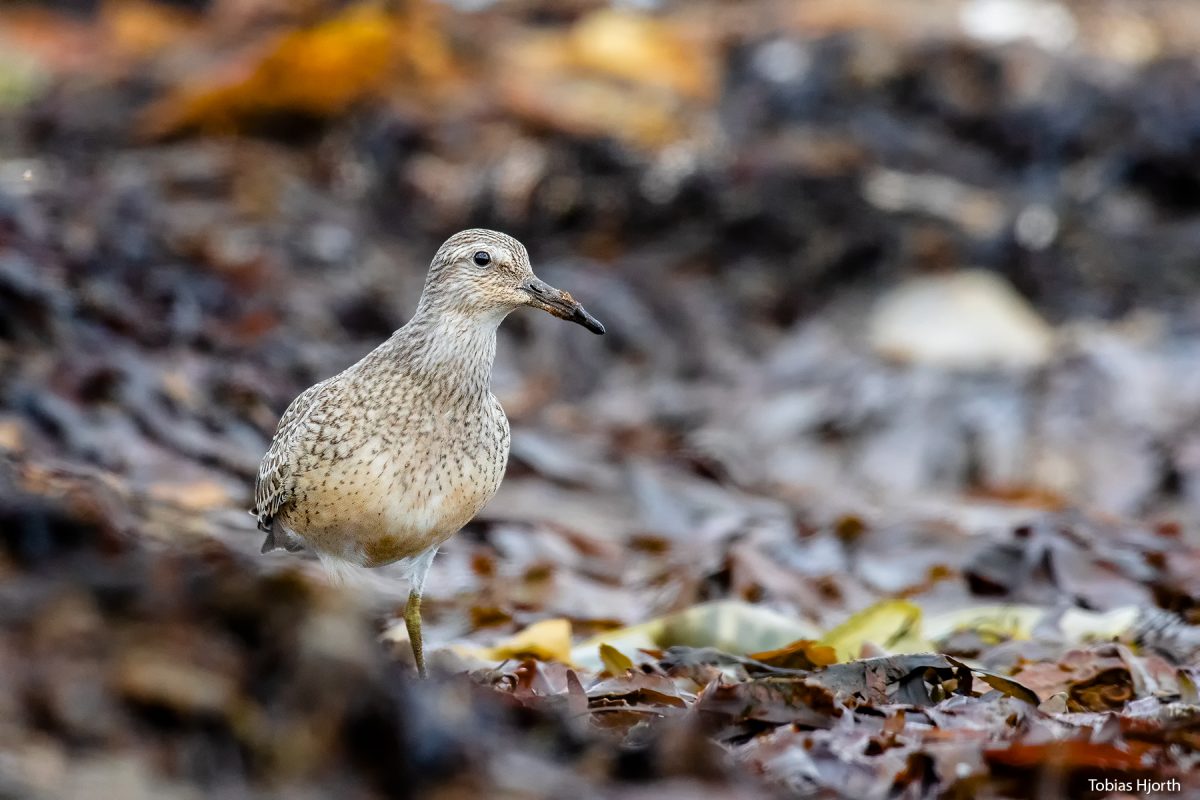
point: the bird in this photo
(386, 460)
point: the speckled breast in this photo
(395, 496)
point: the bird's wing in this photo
(277, 472)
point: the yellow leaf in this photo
(548, 640)
(996, 623)
(615, 662)
(640, 49)
(891, 624)
(1080, 626)
(730, 625)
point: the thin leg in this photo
(412, 620)
(418, 571)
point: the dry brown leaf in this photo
(636, 688)
(1098, 678)
(775, 701)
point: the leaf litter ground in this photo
(766, 538)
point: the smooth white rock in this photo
(964, 320)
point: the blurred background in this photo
(903, 300)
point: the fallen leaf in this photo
(547, 640)
(320, 71)
(729, 625)
(919, 679)
(1005, 685)
(636, 47)
(1070, 755)
(615, 73)
(891, 624)
(138, 28)
(800, 654)
(1080, 626)
(635, 688)
(615, 662)
(774, 701)
(993, 624)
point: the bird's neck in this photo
(452, 349)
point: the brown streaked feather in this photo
(277, 472)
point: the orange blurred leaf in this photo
(319, 71)
(138, 28)
(800, 654)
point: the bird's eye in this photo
(483, 258)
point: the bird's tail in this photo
(340, 571)
(269, 543)
(280, 540)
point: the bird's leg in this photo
(418, 571)
(412, 620)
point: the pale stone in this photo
(964, 320)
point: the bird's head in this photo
(487, 273)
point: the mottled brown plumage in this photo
(386, 460)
